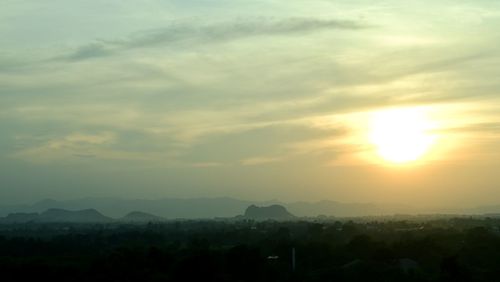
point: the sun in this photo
(401, 135)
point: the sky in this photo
(248, 99)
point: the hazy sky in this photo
(249, 99)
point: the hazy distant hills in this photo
(139, 217)
(58, 215)
(81, 216)
(275, 212)
(54, 215)
(173, 208)
(331, 208)
(77, 216)
(103, 210)
(167, 208)
(20, 217)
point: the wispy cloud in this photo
(209, 33)
(93, 50)
(76, 145)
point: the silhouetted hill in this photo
(173, 208)
(276, 212)
(140, 217)
(19, 218)
(59, 216)
(167, 208)
(81, 216)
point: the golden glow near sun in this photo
(401, 135)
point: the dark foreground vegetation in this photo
(463, 249)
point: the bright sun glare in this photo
(401, 135)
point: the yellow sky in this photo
(355, 101)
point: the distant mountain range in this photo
(172, 208)
(77, 216)
(167, 208)
(199, 208)
(137, 216)
(58, 215)
(275, 212)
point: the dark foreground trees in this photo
(439, 250)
